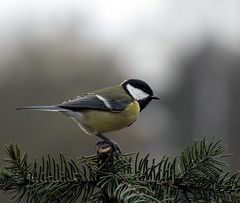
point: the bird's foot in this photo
(108, 146)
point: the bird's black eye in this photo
(145, 90)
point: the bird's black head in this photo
(140, 91)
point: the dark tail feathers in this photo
(42, 108)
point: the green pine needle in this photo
(197, 175)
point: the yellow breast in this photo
(103, 121)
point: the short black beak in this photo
(155, 97)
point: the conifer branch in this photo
(197, 175)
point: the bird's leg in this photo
(116, 148)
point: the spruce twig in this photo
(197, 175)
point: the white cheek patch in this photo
(136, 93)
(104, 100)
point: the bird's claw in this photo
(108, 146)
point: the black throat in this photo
(143, 103)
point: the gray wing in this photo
(97, 102)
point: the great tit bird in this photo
(107, 109)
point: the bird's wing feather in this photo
(97, 102)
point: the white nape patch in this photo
(136, 93)
(123, 82)
(105, 101)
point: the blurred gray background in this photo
(188, 51)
